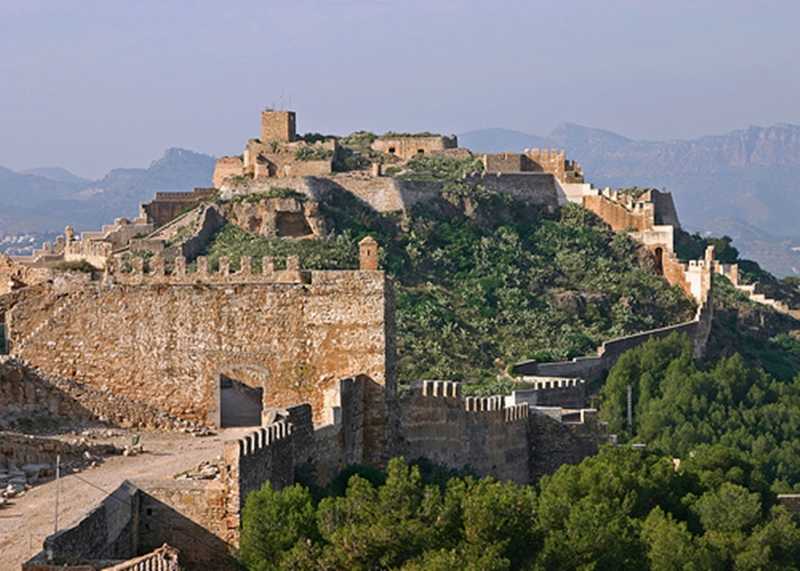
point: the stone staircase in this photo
(62, 305)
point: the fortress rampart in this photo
(479, 432)
(166, 340)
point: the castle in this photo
(307, 358)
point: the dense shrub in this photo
(681, 409)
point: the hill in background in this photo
(745, 183)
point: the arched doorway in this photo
(240, 396)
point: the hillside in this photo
(732, 184)
(484, 280)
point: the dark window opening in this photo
(659, 252)
(420, 151)
(240, 404)
(392, 150)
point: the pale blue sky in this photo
(91, 85)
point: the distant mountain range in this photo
(46, 199)
(745, 184)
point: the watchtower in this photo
(368, 253)
(278, 126)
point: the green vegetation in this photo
(355, 153)
(623, 510)
(759, 334)
(398, 135)
(274, 192)
(728, 408)
(313, 153)
(635, 192)
(340, 252)
(484, 280)
(427, 167)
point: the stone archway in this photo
(239, 395)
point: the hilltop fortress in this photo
(156, 337)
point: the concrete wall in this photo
(108, 532)
(163, 340)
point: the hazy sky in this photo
(91, 85)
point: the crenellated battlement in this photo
(263, 437)
(179, 273)
(484, 404)
(451, 390)
(517, 412)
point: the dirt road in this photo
(26, 523)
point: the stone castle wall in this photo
(479, 432)
(411, 146)
(616, 215)
(168, 205)
(165, 343)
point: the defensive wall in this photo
(165, 339)
(389, 194)
(167, 206)
(407, 147)
(552, 161)
(594, 367)
(201, 519)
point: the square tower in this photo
(277, 126)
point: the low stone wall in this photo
(28, 393)
(593, 367)
(188, 515)
(168, 205)
(107, 533)
(22, 449)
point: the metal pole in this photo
(58, 488)
(630, 408)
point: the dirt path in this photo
(26, 523)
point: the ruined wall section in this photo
(164, 344)
(407, 147)
(437, 423)
(554, 443)
(168, 205)
(616, 215)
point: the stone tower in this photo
(368, 254)
(278, 126)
